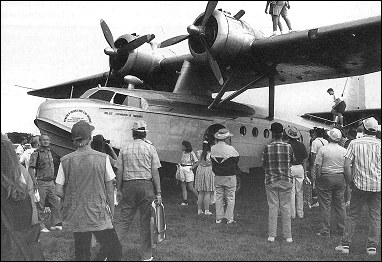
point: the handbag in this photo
(179, 174)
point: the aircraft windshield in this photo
(117, 98)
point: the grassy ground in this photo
(193, 237)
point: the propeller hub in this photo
(195, 31)
(110, 51)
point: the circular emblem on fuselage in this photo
(77, 115)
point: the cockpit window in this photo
(104, 95)
(132, 101)
(119, 98)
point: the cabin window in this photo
(255, 132)
(266, 133)
(119, 98)
(104, 95)
(132, 101)
(243, 130)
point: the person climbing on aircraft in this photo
(338, 109)
(275, 9)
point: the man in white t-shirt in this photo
(25, 157)
(85, 182)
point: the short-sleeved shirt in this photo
(317, 143)
(25, 157)
(60, 179)
(137, 160)
(188, 158)
(365, 153)
(277, 158)
(42, 161)
(331, 158)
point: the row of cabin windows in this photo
(255, 132)
(119, 99)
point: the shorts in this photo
(284, 11)
(340, 107)
(188, 173)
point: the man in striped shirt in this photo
(365, 154)
(277, 159)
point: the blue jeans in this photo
(279, 196)
(358, 199)
(138, 194)
(331, 188)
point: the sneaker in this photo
(371, 251)
(184, 204)
(200, 212)
(271, 239)
(323, 234)
(289, 240)
(218, 221)
(208, 213)
(315, 205)
(149, 259)
(231, 221)
(342, 249)
(45, 230)
(56, 228)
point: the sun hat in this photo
(140, 126)
(370, 124)
(222, 134)
(292, 132)
(335, 134)
(277, 127)
(81, 130)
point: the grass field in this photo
(194, 237)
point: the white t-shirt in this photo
(26, 156)
(317, 144)
(109, 173)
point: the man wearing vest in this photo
(85, 182)
(41, 169)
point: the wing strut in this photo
(222, 91)
(271, 97)
(242, 90)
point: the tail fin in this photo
(354, 93)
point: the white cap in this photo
(370, 124)
(335, 134)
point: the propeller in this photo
(125, 49)
(199, 32)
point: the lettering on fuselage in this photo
(124, 114)
(77, 115)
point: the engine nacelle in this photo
(139, 62)
(227, 37)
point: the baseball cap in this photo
(370, 124)
(335, 134)
(81, 130)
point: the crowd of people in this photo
(345, 172)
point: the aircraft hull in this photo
(167, 130)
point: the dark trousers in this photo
(111, 248)
(138, 194)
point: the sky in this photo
(47, 43)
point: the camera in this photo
(106, 141)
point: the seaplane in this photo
(190, 96)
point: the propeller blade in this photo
(124, 50)
(239, 14)
(172, 41)
(213, 64)
(209, 9)
(107, 33)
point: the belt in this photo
(136, 180)
(296, 164)
(46, 179)
(186, 165)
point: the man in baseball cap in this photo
(81, 131)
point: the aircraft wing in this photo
(64, 90)
(352, 117)
(341, 50)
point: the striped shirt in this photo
(137, 160)
(277, 159)
(365, 153)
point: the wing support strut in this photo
(242, 90)
(222, 91)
